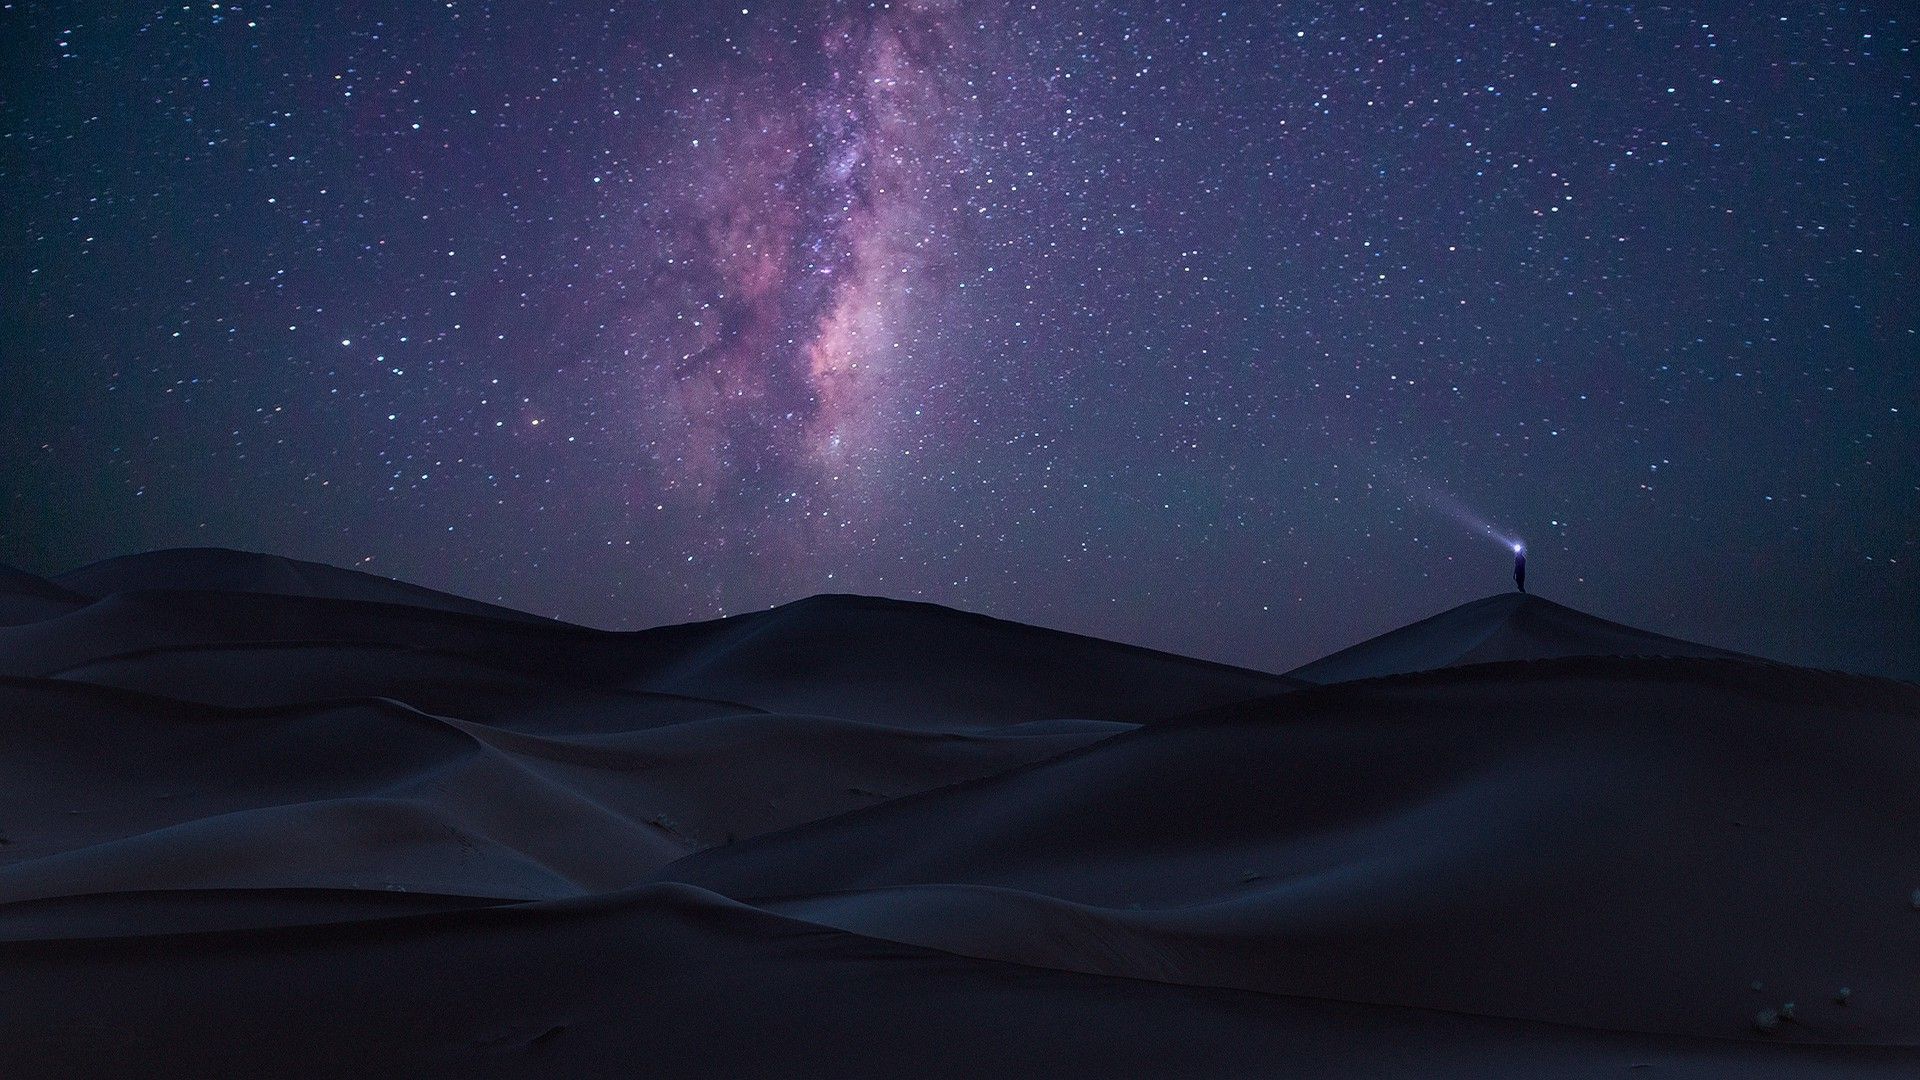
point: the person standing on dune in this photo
(1520, 566)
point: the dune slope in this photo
(227, 570)
(1671, 830)
(27, 598)
(1506, 626)
(674, 981)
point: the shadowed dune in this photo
(292, 726)
(26, 598)
(872, 658)
(226, 570)
(383, 829)
(670, 980)
(861, 658)
(373, 793)
(1669, 830)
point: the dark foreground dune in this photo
(267, 818)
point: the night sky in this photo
(1233, 329)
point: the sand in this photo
(263, 817)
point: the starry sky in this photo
(1236, 329)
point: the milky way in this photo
(797, 239)
(1199, 326)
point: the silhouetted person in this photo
(1520, 567)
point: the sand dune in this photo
(899, 662)
(383, 830)
(674, 981)
(1507, 626)
(375, 793)
(860, 658)
(26, 598)
(292, 726)
(226, 570)
(1670, 830)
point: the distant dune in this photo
(260, 817)
(223, 570)
(25, 598)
